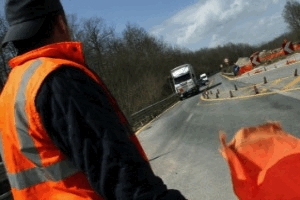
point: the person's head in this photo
(35, 23)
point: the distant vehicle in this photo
(184, 80)
(203, 79)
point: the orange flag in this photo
(264, 163)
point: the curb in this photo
(249, 96)
(229, 78)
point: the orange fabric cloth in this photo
(264, 162)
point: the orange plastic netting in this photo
(245, 69)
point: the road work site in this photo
(189, 145)
(202, 105)
(183, 143)
(269, 79)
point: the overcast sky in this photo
(191, 24)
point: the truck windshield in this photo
(182, 78)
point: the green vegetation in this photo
(136, 66)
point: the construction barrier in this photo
(255, 59)
(272, 56)
(245, 68)
(296, 47)
(279, 53)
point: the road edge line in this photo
(143, 127)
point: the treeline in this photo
(134, 64)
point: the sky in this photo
(190, 24)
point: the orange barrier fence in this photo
(296, 46)
(278, 54)
(249, 67)
(273, 55)
(245, 68)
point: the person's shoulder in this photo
(65, 78)
(68, 71)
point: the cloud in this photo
(252, 31)
(216, 22)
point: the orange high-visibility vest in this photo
(36, 168)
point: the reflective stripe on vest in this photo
(39, 174)
(33, 176)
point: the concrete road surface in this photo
(182, 144)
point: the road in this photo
(182, 144)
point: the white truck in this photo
(184, 80)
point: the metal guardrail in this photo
(5, 193)
(145, 115)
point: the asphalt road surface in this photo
(182, 144)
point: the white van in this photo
(204, 79)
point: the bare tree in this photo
(291, 14)
(5, 53)
(75, 27)
(97, 38)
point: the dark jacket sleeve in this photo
(82, 124)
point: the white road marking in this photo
(288, 94)
(191, 115)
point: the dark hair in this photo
(41, 37)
